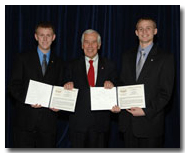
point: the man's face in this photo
(146, 31)
(45, 37)
(90, 45)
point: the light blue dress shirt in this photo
(40, 53)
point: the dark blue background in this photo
(116, 25)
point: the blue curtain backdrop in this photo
(116, 25)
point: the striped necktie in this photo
(140, 63)
(44, 64)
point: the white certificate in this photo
(51, 96)
(38, 93)
(103, 99)
(131, 96)
(63, 99)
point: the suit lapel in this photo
(82, 70)
(36, 64)
(100, 75)
(51, 63)
(132, 64)
(148, 63)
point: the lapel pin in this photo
(102, 68)
(51, 61)
(152, 60)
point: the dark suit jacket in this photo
(157, 75)
(83, 118)
(27, 66)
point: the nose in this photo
(90, 44)
(145, 30)
(45, 38)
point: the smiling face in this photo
(90, 44)
(146, 31)
(45, 37)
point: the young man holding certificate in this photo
(148, 65)
(89, 128)
(35, 126)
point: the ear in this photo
(136, 32)
(155, 31)
(54, 36)
(99, 45)
(36, 37)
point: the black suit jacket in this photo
(27, 66)
(157, 75)
(83, 118)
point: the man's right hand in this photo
(36, 106)
(69, 85)
(116, 109)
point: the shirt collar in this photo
(94, 59)
(41, 54)
(146, 49)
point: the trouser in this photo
(34, 139)
(89, 139)
(131, 141)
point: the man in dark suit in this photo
(148, 65)
(35, 126)
(89, 128)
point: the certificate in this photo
(131, 96)
(51, 96)
(63, 99)
(103, 99)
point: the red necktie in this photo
(91, 74)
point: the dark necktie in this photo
(44, 64)
(140, 63)
(91, 74)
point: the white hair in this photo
(91, 31)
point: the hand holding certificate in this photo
(51, 96)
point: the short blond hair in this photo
(146, 18)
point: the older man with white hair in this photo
(89, 128)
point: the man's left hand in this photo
(55, 110)
(108, 85)
(136, 111)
